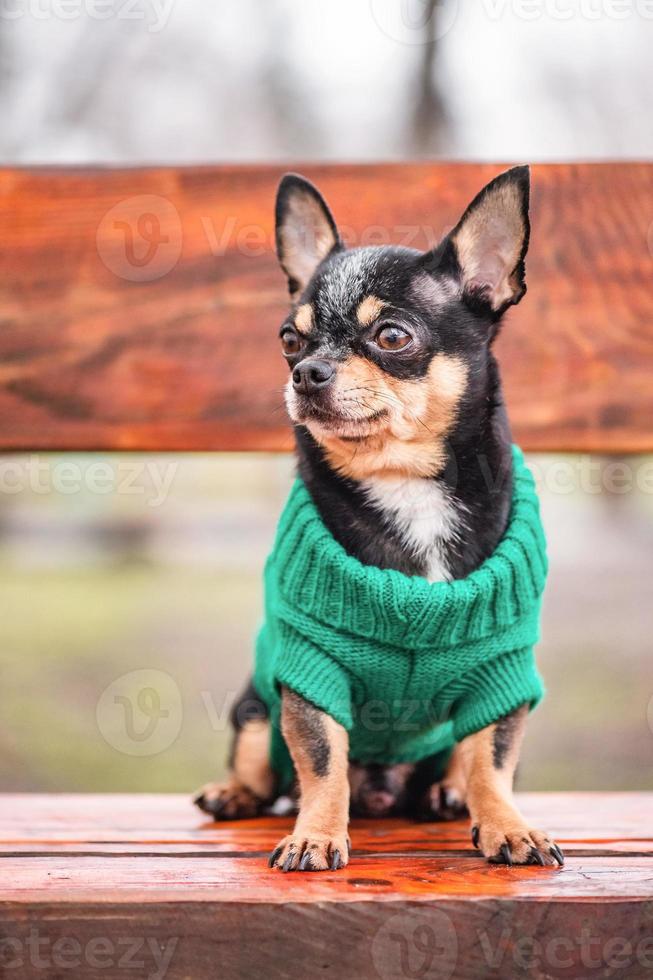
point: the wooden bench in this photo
(417, 901)
(139, 312)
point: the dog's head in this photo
(384, 344)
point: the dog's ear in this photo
(487, 248)
(305, 231)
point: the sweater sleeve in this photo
(310, 671)
(496, 689)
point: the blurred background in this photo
(130, 586)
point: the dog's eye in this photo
(290, 342)
(392, 337)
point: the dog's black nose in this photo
(311, 374)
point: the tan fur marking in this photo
(323, 804)
(490, 800)
(251, 758)
(410, 440)
(489, 790)
(477, 757)
(321, 825)
(489, 242)
(304, 319)
(369, 310)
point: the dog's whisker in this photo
(391, 400)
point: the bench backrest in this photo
(139, 308)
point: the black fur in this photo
(308, 725)
(503, 736)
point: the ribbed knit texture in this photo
(408, 667)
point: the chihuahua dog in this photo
(397, 405)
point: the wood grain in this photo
(167, 819)
(416, 900)
(172, 345)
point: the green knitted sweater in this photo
(408, 667)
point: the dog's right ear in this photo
(305, 231)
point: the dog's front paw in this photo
(228, 801)
(509, 841)
(311, 852)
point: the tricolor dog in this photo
(394, 671)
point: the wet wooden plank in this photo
(99, 884)
(162, 820)
(226, 879)
(140, 307)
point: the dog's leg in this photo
(250, 783)
(318, 746)
(446, 799)
(490, 758)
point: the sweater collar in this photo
(316, 576)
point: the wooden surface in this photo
(416, 900)
(113, 339)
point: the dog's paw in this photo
(228, 801)
(514, 843)
(313, 852)
(442, 801)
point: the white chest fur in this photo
(424, 513)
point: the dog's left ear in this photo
(490, 242)
(305, 231)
